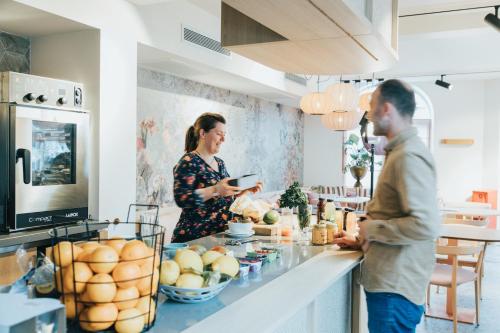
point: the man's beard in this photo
(380, 127)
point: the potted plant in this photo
(358, 158)
(294, 197)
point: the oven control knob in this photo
(62, 101)
(29, 97)
(42, 99)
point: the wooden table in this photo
(455, 232)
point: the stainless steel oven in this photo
(44, 151)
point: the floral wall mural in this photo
(262, 137)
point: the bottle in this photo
(330, 210)
(321, 210)
(319, 234)
(339, 219)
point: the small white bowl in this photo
(240, 228)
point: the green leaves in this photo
(356, 153)
(293, 197)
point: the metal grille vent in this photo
(296, 78)
(204, 41)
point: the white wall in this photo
(459, 113)
(322, 153)
(491, 152)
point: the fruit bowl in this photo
(198, 295)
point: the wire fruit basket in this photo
(108, 283)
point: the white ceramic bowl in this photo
(240, 228)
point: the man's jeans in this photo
(392, 313)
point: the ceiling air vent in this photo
(204, 41)
(296, 78)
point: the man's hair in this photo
(400, 95)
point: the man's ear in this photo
(387, 109)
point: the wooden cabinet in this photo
(313, 36)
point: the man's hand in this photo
(347, 241)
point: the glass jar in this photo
(339, 219)
(351, 222)
(330, 210)
(287, 220)
(304, 216)
(319, 234)
(331, 231)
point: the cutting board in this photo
(267, 229)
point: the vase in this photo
(304, 216)
(358, 172)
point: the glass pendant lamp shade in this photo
(316, 103)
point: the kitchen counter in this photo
(9, 242)
(308, 289)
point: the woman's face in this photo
(213, 139)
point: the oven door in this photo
(51, 165)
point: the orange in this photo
(144, 284)
(147, 308)
(126, 274)
(102, 316)
(134, 250)
(126, 298)
(69, 303)
(62, 253)
(103, 259)
(129, 321)
(116, 243)
(82, 274)
(101, 288)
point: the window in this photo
(422, 120)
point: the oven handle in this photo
(25, 155)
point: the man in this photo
(398, 235)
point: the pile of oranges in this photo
(113, 281)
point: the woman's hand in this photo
(223, 189)
(257, 188)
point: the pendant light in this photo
(364, 103)
(316, 103)
(344, 115)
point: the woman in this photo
(201, 186)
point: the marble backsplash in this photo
(262, 137)
(14, 53)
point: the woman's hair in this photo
(205, 122)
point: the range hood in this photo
(313, 36)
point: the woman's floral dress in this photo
(198, 218)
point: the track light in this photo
(493, 20)
(443, 83)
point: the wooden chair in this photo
(451, 275)
(344, 191)
(466, 261)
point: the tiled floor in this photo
(490, 305)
